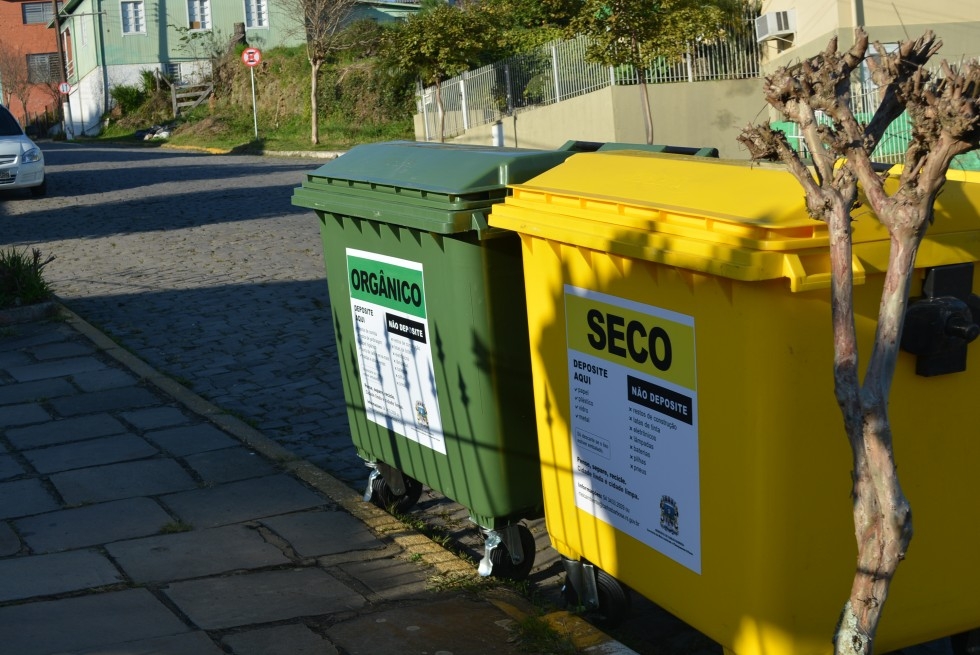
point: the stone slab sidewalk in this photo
(137, 518)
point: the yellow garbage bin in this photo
(691, 445)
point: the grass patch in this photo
(174, 527)
(535, 635)
(22, 278)
(359, 102)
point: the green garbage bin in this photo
(430, 321)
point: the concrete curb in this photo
(27, 313)
(583, 635)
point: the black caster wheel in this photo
(504, 566)
(386, 499)
(966, 643)
(615, 601)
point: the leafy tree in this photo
(945, 114)
(440, 42)
(637, 32)
(321, 22)
(527, 24)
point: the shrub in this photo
(128, 98)
(21, 278)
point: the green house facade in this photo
(111, 42)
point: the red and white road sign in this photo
(251, 57)
(64, 87)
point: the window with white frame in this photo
(199, 14)
(133, 19)
(256, 14)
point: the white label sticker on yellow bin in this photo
(394, 354)
(634, 420)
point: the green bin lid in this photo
(435, 187)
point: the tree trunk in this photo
(645, 103)
(882, 516)
(314, 107)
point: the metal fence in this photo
(559, 70)
(865, 98)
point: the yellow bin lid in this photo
(735, 219)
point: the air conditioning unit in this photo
(775, 24)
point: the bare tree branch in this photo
(945, 117)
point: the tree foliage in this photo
(945, 114)
(637, 32)
(443, 41)
(527, 24)
(321, 21)
(634, 32)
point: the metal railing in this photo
(560, 70)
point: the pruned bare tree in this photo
(321, 22)
(945, 116)
(14, 76)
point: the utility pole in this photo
(62, 63)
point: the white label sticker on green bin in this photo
(634, 420)
(394, 355)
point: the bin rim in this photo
(659, 209)
(462, 169)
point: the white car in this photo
(21, 161)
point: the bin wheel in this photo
(966, 643)
(386, 499)
(615, 601)
(504, 566)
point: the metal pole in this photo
(255, 112)
(554, 69)
(425, 110)
(69, 128)
(462, 101)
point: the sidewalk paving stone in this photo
(10, 468)
(263, 597)
(426, 628)
(315, 534)
(103, 380)
(91, 525)
(104, 401)
(191, 439)
(391, 579)
(9, 541)
(65, 431)
(229, 465)
(182, 556)
(24, 498)
(86, 622)
(62, 350)
(23, 414)
(32, 392)
(188, 643)
(56, 369)
(154, 418)
(293, 639)
(151, 477)
(242, 501)
(94, 452)
(58, 573)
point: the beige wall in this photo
(956, 22)
(701, 114)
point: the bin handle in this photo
(794, 268)
(480, 222)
